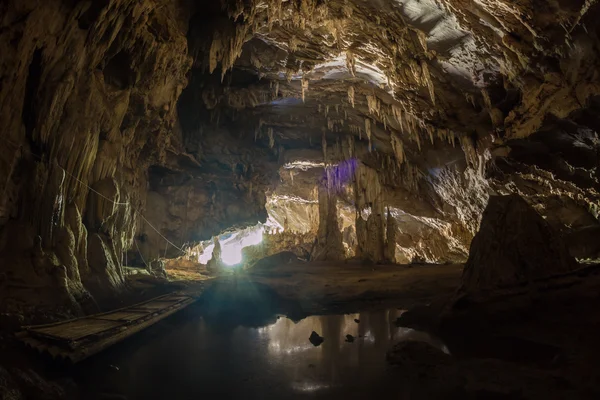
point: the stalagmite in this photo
(304, 88)
(328, 245)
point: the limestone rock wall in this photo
(87, 103)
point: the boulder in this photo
(514, 245)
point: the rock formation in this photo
(328, 244)
(135, 130)
(514, 245)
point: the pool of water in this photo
(203, 353)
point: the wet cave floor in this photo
(195, 355)
(248, 338)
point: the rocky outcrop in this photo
(514, 245)
(88, 101)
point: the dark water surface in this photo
(203, 353)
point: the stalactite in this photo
(430, 131)
(368, 130)
(428, 81)
(351, 95)
(398, 148)
(486, 98)
(373, 104)
(215, 52)
(271, 137)
(397, 113)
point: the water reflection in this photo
(194, 356)
(336, 362)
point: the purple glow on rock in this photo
(337, 176)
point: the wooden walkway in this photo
(77, 339)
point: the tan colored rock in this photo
(328, 245)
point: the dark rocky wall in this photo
(88, 101)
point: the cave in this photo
(299, 199)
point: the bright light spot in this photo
(308, 386)
(304, 165)
(231, 247)
(277, 348)
(206, 255)
(365, 213)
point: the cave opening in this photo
(342, 199)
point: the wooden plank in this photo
(78, 339)
(125, 315)
(175, 298)
(155, 306)
(77, 330)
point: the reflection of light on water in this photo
(286, 337)
(308, 386)
(369, 337)
(311, 369)
(277, 348)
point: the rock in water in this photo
(315, 339)
(514, 245)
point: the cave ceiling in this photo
(393, 76)
(409, 88)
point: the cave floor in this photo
(248, 337)
(322, 287)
